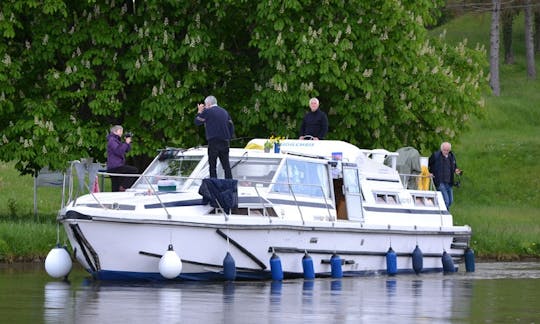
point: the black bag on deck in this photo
(220, 193)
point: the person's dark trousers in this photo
(122, 183)
(219, 149)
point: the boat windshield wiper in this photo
(242, 159)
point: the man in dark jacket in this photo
(315, 123)
(442, 166)
(116, 159)
(219, 131)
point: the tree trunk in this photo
(507, 20)
(537, 29)
(494, 49)
(529, 43)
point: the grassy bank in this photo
(26, 241)
(500, 192)
(17, 198)
(499, 196)
(24, 234)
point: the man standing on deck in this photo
(219, 131)
(442, 166)
(315, 123)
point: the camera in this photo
(128, 134)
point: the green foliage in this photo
(12, 207)
(373, 68)
(25, 241)
(71, 69)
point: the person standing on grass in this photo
(442, 166)
(219, 130)
(116, 159)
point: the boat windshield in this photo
(252, 171)
(169, 166)
(302, 177)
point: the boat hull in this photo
(125, 249)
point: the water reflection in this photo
(57, 299)
(348, 300)
(335, 286)
(407, 299)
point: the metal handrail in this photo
(431, 187)
(418, 177)
(70, 177)
(296, 202)
(265, 212)
(150, 187)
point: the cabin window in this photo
(428, 201)
(303, 178)
(266, 212)
(386, 198)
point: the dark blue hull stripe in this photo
(106, 275)
(179, 203)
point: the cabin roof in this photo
(329, 149)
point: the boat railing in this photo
(417, 182)
(422, 182)
(381, 155)
(84, 177)
(314, 191)
(292, 189)
(79, 178)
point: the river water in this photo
(495, 293)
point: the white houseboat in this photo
(313, 209)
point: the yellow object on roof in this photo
(253, 146)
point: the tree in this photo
(537, 29)
(529, 42)
(494, 48)
(507, 19)
(71, 69)
(505, 12)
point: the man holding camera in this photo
(116, 159)
(442, 166)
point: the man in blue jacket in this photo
(219, 131)
(315, 123)
(116, 159)
(442, 165)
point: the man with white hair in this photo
(315, 123)
(442, 166)
(219, 131)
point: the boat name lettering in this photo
(306, 143)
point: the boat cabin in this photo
(327, 180)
